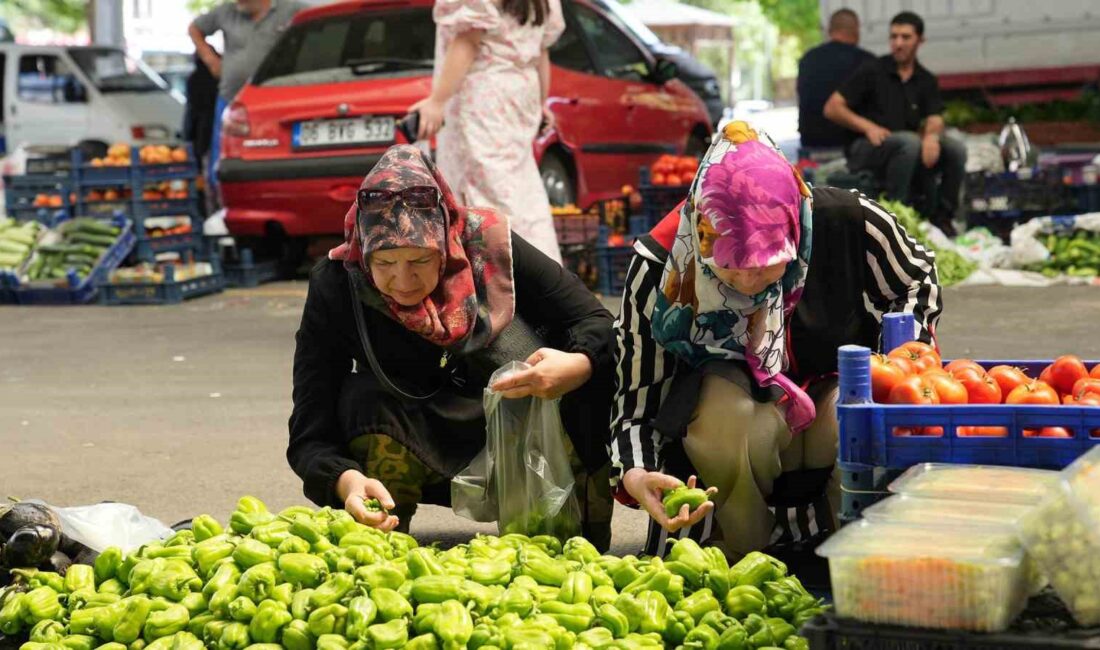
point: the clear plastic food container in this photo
(998, 519)
(921, 576)
(976, 483)
(1063, 536)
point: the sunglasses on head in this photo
(422, 197)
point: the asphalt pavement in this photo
(181, 409)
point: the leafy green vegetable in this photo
(951, 267)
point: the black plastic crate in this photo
(1028, 192)
(657, 200)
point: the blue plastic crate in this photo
(147, 248)
(169, 292)
(186, 170)
(612, 264)
(20, 193)
(165, 207)
(73, 290)
(1087, 197)
(657, 200)
(120, 208)
(88, 176)
(867, 437)
(249, 273)
(7, 288)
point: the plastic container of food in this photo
(921, 576)
(987, 483)
(991, 518)
(1063, 536)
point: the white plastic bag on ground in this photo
(1026, 245)
(103, 525)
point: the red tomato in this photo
(1095, 374)
(1008, 378)
(1047, 377)
(658, 178)
(1065, 371)
(1088, 385)
(980, 389)
(616, 239)
(1084, 399)
(1048, 432)
(921, 355)
(959, 364)
(949, 389)
(982, 432)
(885, 374)
(1035, 392)
(914, 389)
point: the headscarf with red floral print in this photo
(474, 300)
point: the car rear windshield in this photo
(345, 48)
(113, 72)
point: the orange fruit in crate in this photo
(40, 200)
(626, 190)
(110, 195)
(97, 162)
(658, 179)
(55, 201)
(119, 150)
(151, 195)
(179, 154)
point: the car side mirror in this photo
(664, 72)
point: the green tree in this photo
(63, 15)
(796, 19)
(202, 6)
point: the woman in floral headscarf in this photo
(733, 311)
(403, 326)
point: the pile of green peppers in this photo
(305, 579)
(1076, 255)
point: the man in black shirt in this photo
(894, 104)
(820, 72)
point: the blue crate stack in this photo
(20, 192)
(871, 455)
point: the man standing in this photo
(820, 72)
(250, 29)
(894, 104)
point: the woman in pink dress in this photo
(491, 80)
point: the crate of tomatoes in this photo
(664, 184)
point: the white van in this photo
(64, 96)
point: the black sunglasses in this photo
(422, 197)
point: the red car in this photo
(322, 108)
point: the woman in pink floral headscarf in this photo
(734, 308)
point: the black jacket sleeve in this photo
(549, 296)
(316, 452)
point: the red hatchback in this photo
(323, 106)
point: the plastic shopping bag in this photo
(522, 478)
(110, 524)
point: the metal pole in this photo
(105, 22)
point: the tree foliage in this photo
(202, 6)
(63, 15)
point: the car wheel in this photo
(558, 181)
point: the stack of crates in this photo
(43, 194)
(585, 238)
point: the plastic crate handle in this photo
(897, 329)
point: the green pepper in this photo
(257, 582)
(212, 632)
(332, 558)
(107, 563)
(341, 528)
(36, 579)
(129, 625)
(701, 637)
(422, 562)
(299, 606)
(796, 643)
(13, 613)
(744, 600)
(653, 580)
(207, 554)
(330, 619)
(453, 625)
(361, 613)
(394, 634)
(226, 574)
(80, 642)
(272, 533)
(296, 636)
(688, 554)
(522, 636)
(516, 599)
(234, 637)
(679, 625)
(111, 646)
(545, 571)
(169, 553)
(81, 621)
(219, 602)
(205, 527)
(787, 598)
(106, 618)
(41, 604)
(186, 641)
(332, 642)
(183, 537)
(266, 625)
(34, 645)
(755, 569)
(758, 631)
(85, 600)
(198, 623)
(699, 604)
(242, 523)
(623, 571)
(596, 637)
(380, 575)
(485, 635)
(332, 590)
(734, 637)
(656, 613)
(47, 631)
(302, 569)
(174, 580)
(166, 622)
(573, 617)
(369, 537)
(283, 593)
(580, 550)
(391, 605)
(423, 642)
(614, 620)
(603, 595)
(242, 609)
(677, 498)
(402, 543)
(112, 586)
(780, 630)
(483, 599)
(141, 575)
(600, 577)
(293, 544)
(577, 588)
(437, 589)
(488, 571)
(424, 620)
(251, 552)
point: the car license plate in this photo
(350, 131)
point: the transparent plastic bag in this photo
(522, 479)
(110, 524)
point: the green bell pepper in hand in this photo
(577, 588)
(678, 497)
(302, 569)
(205, 527)
(257, 582)
(453, 625)
(391, 605)
(361, 614)
(266, 625)
(330, 619)
(755, 569)
(744, 600)
(296, 636)
(394, 634)
(758, 631)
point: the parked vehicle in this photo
(322, 108)
(64, 96)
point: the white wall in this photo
(157, 26)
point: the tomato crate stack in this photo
(43, 194)
(661, 189)
(588, 238)
(877, 441)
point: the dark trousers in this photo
(897, 162)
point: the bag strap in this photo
(368, 349)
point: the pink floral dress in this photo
(485, 148)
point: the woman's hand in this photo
(353, 487)
(431, 117)
(648, 489)
(552, 374)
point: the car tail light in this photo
(137, 132)
(235, 121)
